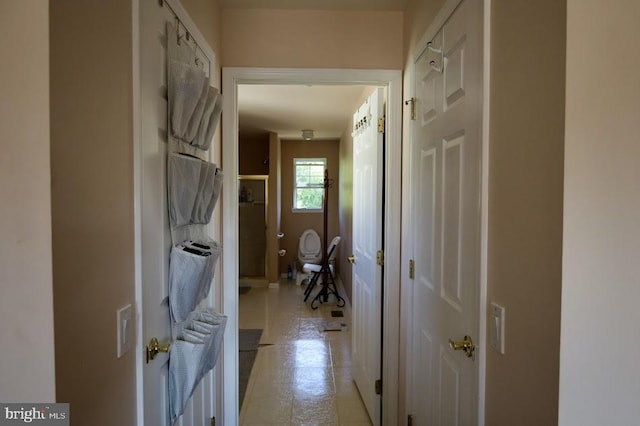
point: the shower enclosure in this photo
(253, 207)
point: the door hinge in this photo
(381, 125)
(412, 102)
(409, 420)
(412, 269)
(378, 387)
(213, 421)
(380, 257)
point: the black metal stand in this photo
(328, 287)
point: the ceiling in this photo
(315, 4)
(288, 109)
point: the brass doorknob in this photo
(351, 259)
(466, 346)
(154, 347)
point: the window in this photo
(309, 183)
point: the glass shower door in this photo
(253, 227)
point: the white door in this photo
(445, 216)
(367, 240)
(156, 237)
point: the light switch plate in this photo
(125, 329)
(496, 327)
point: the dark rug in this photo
(244, 290)
(248, 342)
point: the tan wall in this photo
(206, 15)
(26, 305)
(294, 224)
(252, 151)
(525, 207)
(92, 191)
(92, 202)
(600, 291)
(321, 39)
(417, 17)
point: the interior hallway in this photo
(302, 375)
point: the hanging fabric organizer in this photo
(193, 189)
(193, 354)
(192, 266)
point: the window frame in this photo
(301, 161)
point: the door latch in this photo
(154, 347)
(466, 346)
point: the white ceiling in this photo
(288, 109)
(315, 4)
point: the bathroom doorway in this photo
(252, 229)
(233, 79)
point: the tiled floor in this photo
(304, 376)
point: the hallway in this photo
(302, 375)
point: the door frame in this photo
(407, 226)
(392, 80)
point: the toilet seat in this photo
(309, 248)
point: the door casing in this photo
(392, 80)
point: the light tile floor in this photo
(304, 376)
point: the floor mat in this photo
(248, 343)
(244, 290)
(249, 339)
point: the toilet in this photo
(309, 248)
(309, 251)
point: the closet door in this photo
(445, 166)
(368, 203)
(155, 235)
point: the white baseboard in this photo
(274, 285)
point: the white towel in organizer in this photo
(185, 359)
(214, 120)
(191, 271)
(193, 189)
(210, 269)
(200, 128)
(183, 178)
(217, 322)
(215, 193)
(208, 192)
(193, 354)
(198, 115)
(210, 119)
(186, 85)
